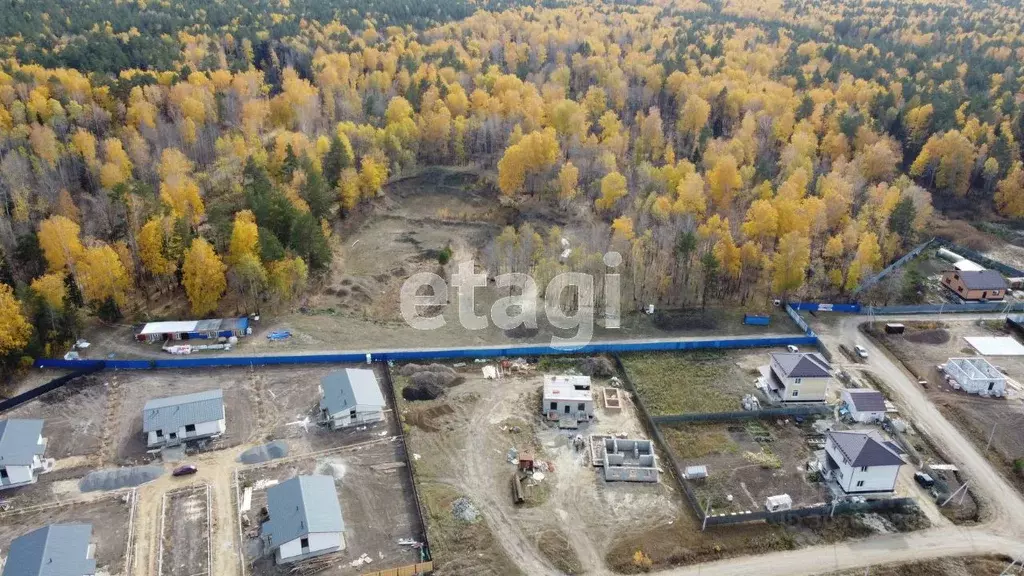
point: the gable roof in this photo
(862, 449)
(345, 389)
(867, 400)
(982, 280)
(802, 364)
(301, 506)
(175, 412)
(19, 441)
(54, 550)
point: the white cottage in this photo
(568, 397)
(171, 421)
(351, 397)
(21, 452)
(859, 462)
(865, 406)
(797, 377)
(305, 519)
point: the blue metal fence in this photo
(853, 308)
(409, 355)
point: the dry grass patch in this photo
(682, 383)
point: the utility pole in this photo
(707, 509)
(990, 437)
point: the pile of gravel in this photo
(117, 478)
(598, 366)
(464, 510)
(264, 453)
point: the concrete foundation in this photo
(629, 460)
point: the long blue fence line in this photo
(409, 355)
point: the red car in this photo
(185, 470)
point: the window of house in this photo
(159, 433)
(190, 428)
(956, 276)
(352, 413)
(860, 483)
(796, 393)
(581, 407)
(796, 381)
(554, 405)
(172, 435)
(863, 468)
(3, 473)
(960, 289)
(304, 542)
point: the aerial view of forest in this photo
(178, 158)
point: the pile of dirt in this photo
(937, 336)
(596, 366)
(428, 382)
(264, 453)
(117, 478)
(411, 369)
(464, 510)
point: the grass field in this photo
(687, 382)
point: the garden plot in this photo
(375, 493)
(925, 345)
(111, 518)
(749, 461)
(185, 533)
(241, 405)
(699, 381)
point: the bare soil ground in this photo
(698, 381)
(980, 566)
(973, 414)
(185, 539)
(135, 389)
(748, 470)
(73, 416)
(109, 517)
(374, 490)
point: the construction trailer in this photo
(976, 376)
(194, 330)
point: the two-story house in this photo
(351, 397)
(305, 519)
(567, 397)
(797, 377)
(54, 550)
(860, 462)
(21, 452)
(177, 419)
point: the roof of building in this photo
(867, 400)
(968, 266)
(863, 449)
(982, 280)
(177, 411)
(300, 506)
(570, 388)
(54, 550)
(19, 441)
(175, 327)
(802, 364)
(345, 389)
(192, 326)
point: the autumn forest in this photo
(745, 149)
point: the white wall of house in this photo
(318, 543)
(357, 416)
(183, 434)
(582, 410)
(18, 475)
(861, 479)
(865, 417)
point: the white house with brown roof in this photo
(860, 462)
(797, 377)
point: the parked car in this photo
(861, 351)
(185, 470)
(924, 480)
(792, 348)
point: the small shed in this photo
(865, 405)
(895, 328)
(778, 503)
(695, 472)
(526, 460)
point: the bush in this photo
(1018, 466)
(444, 256)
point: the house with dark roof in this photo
(860, 462)
(21, 452)
(54, 550)
(975, 285)
(176, 419)
(865, 405)
(305, 519)
(351, 397)
(793, 377)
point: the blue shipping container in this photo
(757, 319)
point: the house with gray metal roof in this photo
(860, 462)
(305, 519)
(864, 405)
(351, 397)
(21, 452)
(177, 419)
(796, 377)
(54, 550)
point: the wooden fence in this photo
(410, 570)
